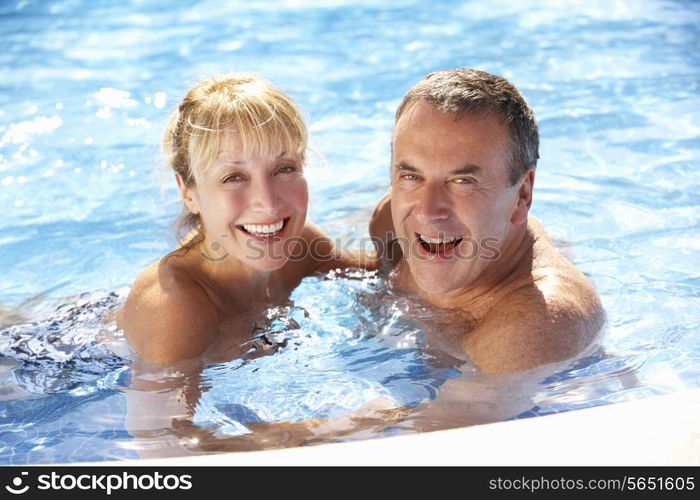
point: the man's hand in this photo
(364, 422)
(381, 229)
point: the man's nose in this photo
(264, 197)
(431, 204)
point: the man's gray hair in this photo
(461, 91)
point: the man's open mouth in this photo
(265, 231)
(440, 245)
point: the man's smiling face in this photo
(450, 190)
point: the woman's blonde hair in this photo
(266, 120)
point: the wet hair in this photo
(462, 91)
(266, 120)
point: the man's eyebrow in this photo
(406, 167)
(469, 168)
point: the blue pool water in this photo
(85, 89)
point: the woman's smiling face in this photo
(252, 207)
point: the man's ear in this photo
(188, 194)
(524, 201)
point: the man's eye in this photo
(232, 178)
(409, 177)
(463, 180)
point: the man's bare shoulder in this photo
(556, 277)
(553, 315)
(535, 325)
(168, 315)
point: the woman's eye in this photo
(286, 169)
(232, 178)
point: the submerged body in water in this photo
(344, 359)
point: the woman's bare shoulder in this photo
(168, 316)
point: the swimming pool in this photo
(86, 89)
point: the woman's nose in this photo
(264, 197)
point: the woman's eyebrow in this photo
(235, 160)
(229, 159)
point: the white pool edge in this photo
(662, 430)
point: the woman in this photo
(237, 147)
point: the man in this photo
(455, 228)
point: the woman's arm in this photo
(325, 255)
(381, 230)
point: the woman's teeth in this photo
(264, 229)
